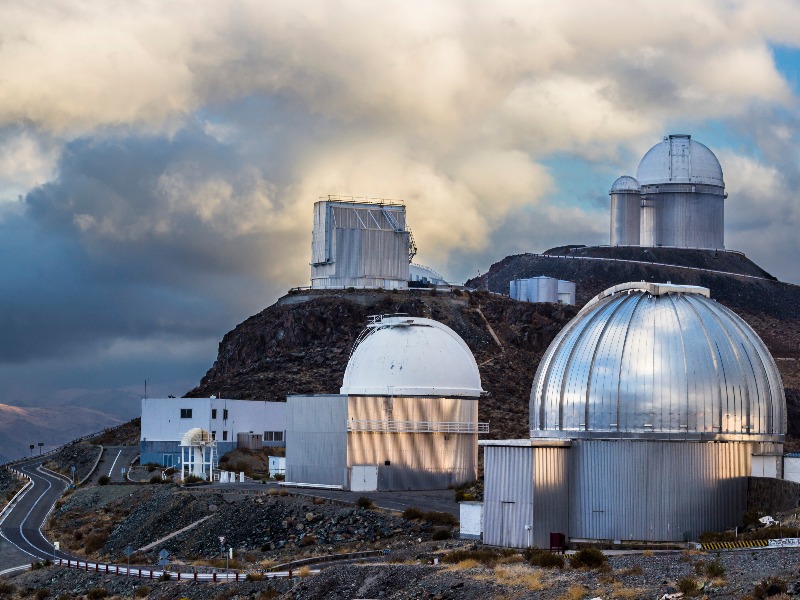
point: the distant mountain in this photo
(22, 426)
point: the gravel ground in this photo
(629, 576)
(83, 456)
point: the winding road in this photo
(21, 526)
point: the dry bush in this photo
(574, 592)
(511, 560)
(468, 563)
(631, 571)
(520, 577)
(303, 572)
(273, 492)
(143, 591)
(318, 500)
(648, 553)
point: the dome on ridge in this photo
(411, 356)
(680, 159)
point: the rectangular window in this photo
(278, 436)
(186, 413)
(224, 414)
(213, 435)
(273, 436)
(213, 413)
(224, 436)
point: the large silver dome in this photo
(661, 360)
(680, 159)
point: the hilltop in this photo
(301, 344)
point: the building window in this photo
(213, 413)
(273, 436)
(224, 436)
(224, 414)
(186, 413)
(213, 435)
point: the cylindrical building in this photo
(667, 400)
(682, 195)
(625, 211)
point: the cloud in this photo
(169, 153)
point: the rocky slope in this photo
(302, 343)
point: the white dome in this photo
(196, 437)
(680, 159)
(411, 356)
(626, 183)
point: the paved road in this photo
(21, 527)
(112, 461)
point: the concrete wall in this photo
(470, 520)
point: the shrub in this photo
(95, 541)
(103, 480)
(96, 593)
(164, 576)
(440, 533)
(303, 572)
(309, 540)
(543, 558)
(590, 558)
(143, 591)
(688, 585)
(411, 513)
(6, 588)
(434, 517)
(364, 502)
(279, 477)
(771, 586)
(254, 576)
(715, 568)
(35, 566)
(268, 594)
(484, 556)
(192, 478)
(42, 593)
(155, 479)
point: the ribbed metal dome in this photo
(680, 159)
(660, 360)
(411, 356)
(626, 183)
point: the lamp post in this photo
(41, 445)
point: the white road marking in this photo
(111, 470)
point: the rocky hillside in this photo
(301, 344)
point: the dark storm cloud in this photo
(107, 251)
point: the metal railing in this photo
(417, 426)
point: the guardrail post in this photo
(151, 574)
(106, 568)
(96, 567)
(117, 569)
(195, 575)
(86, 564)
(214, 577)
(237, 575)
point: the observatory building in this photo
(676, 199)
(360, 244)
(166, 421)
(406, 417)
(542, 289)
(647, 414)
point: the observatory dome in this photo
(626, 183)
(658, 360)
(679, 159)
(411, 356)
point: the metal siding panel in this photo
(508, 495)
(316, 450)
(550, 494)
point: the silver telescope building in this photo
(676, 199)
(647, 414)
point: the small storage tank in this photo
(625, 211)
(534, 289)
(566, 292)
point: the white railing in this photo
(417, 426)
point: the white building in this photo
(406, 416)
(166, 420)
(542, 289)
(360, 244)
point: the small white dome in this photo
(626, 183)
(680, 159)
(196, 437)
(411, 356)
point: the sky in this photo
(159, 160)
